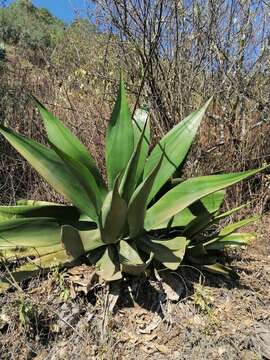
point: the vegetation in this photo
(174, 56)
(23, 24)
(141, 217)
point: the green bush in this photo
(24, 24)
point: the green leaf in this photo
(186, 193)
(230, 240)
(44, 263)
(79, 242)
(35, 202)
(235, 226)
(138, 203)
(169, 252)
(63, 139)
(119, 137)
(130, 259)
(220, 269)
(113, 216)
(229, 212)
(39, 210)
(51, 167)
(128, 181)
(141, 117)
(176, 144)
(197, 214)
(9, 254)
(204, 210)
(109, 265)
(91, 191)
(30, 232)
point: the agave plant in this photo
(141, 217)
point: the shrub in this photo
(142, 217)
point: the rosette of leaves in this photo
(140, 217)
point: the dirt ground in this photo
(53, 319)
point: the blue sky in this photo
(64, 9)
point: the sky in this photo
(63, 9)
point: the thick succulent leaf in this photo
(92, 194)
(175, 144)
(109, 265)
(39, 210)
(8, 253)
(138, 203)
(113, 216)
(197, 250)
(196, 212)
(235, 226)
(36, 202)
(63, 139)
(72, 239)
(43, 263)
(186, 193)
(210, 203)
(182, 219)
(29, 232)
(128, 181)
(84, 217)
(220, 269)
(204, 210)
(95, 255)
(79, 242)
(141, 117)
(51, 167)
(130, 260)
(119, 137)
(169, 252)
(230, 240)
(229, 212)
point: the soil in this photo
(69, 315)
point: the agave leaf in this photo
(210, 203)
(95, 255)
(119, 137)
(87, 181)
(205, 210)
(130, 259)
(36, 202)
(138, 203)
(8, 253)
(73, 240)
(128, 181)
(51, 168)
(221, 270)
(109, 265)
(63, 139)
(169, 252)
(197, 250)
(141, 119)
(80, 242)
(230, 240)
(197, 214)
(29, 232)
(55, 211)
(186, 193)
(229, 212)
(113, 216)
(176, 144)
(43, 263)
(235, 226)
